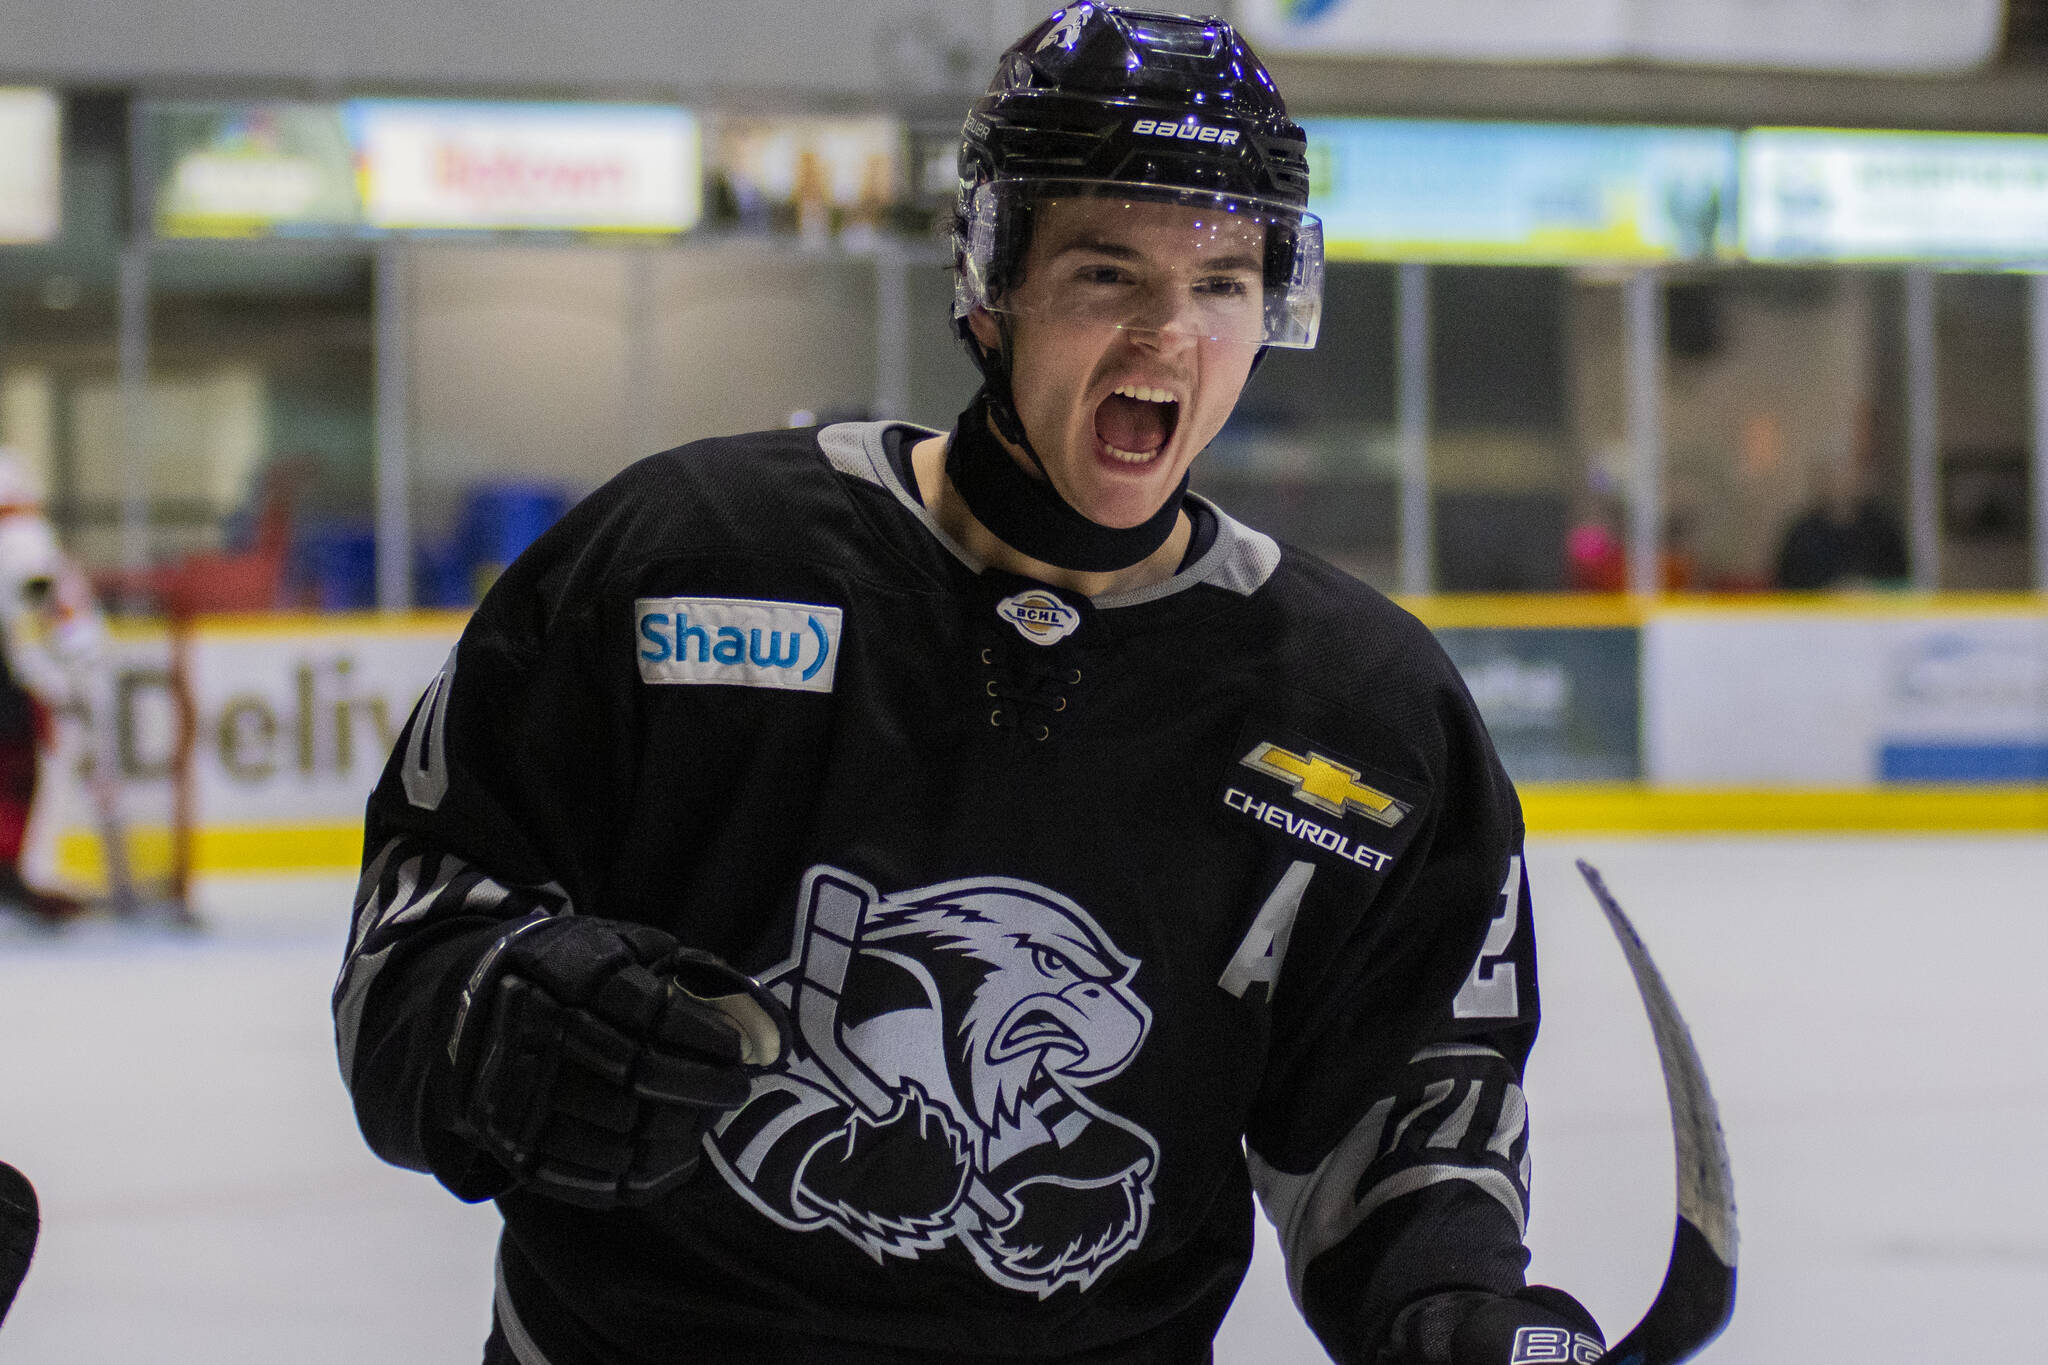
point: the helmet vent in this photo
(1173, 37)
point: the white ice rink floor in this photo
(1869, 1010)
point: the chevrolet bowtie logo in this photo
(1325, 785)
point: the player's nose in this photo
(1164, 317)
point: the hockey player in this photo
(54, 638)
(870, 894)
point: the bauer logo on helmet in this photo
(1185, 131)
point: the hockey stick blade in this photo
(1698, 1294)
(19, 1222)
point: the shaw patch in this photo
(1319, 801)
(737, 641)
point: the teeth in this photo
(1145, 394)
(1128, 456)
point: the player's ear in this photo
(985, 330)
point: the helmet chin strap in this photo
(1028, 514)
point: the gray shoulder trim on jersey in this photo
(1240, 561)
(516, 1335)
(848, 449)
(855, 449)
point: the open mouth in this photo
(1135, 422)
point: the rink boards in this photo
(1774, 714)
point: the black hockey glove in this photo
(589, 1056)
(1534, 1326)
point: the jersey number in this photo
(1490, 991)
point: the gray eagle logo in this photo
(946, 1037)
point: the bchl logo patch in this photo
(1039, 616)
(738, 642)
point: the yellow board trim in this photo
(355, 624)
(1632, 808)
(1527, 611)
(1548, 807)
(223, 849)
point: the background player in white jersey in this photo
(55, 639)
(1058, 859)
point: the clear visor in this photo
(1149, 258)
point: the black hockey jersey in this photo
(1090, 914)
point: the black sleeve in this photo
(493, 808)
(1391, 1146)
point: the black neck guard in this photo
(1031, 517)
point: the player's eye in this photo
(1102, 274)
(1223, 287)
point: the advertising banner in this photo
(1805, 698)
(293, 721)
(1562, 704)
(1834, 35)
(251, 169)
(433, 164)
(1820, 194)
(31, 190)
(1521, 193)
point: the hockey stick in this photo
(1698, 1294)
(834, 915)
(19, 1222)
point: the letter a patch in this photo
(1263, 951)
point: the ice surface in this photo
(1867, 1009)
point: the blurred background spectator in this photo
(1846, 539)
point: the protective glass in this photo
(1149, 258)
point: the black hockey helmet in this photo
(1169, 124)
(1099, 100)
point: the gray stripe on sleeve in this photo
(1422, 1177)
(366, 894)
(1315, 1211)
(1440, 1050)
(516, 1336)
(1307, 1210)
(1514, 1117)
(1436, 1093)
(409, 901)
(1451, 1131)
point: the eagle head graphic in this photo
(1031, 988)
